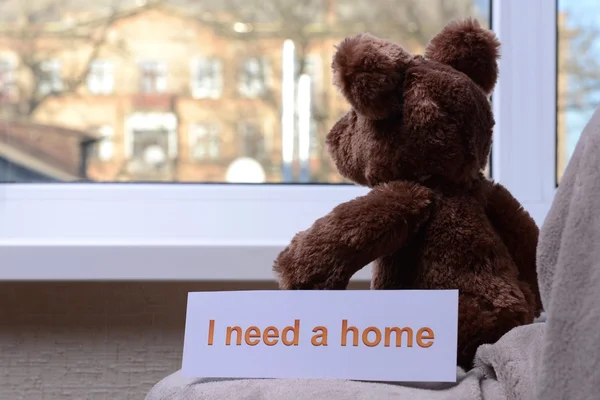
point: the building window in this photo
(151, 144)
(315, 147)
(49, 77)
(151, 147)
(254, 77)
(153, 77)
(7, 80)
(101, 77)
(252, 141)
(207, 78)
(313, 67)
(204, 141)
(105, 146)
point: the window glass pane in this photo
(100, 77)
(578, 75)
(188, 91)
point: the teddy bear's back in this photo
(460, 240)
(459, 249)
(457, 241)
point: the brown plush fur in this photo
(419, 133)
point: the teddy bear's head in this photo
(415, 117)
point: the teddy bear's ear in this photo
(369, 72)
(470, 49)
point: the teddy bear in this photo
(418, 134)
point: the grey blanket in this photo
(555, 359)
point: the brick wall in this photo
(96, 341)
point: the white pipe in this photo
(304, 106)
(288, 100)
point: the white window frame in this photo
(106, 144)
(162, 75)
(11, 90)
(149, 121)
(233, 232)
(252, 92)
(103, 84)
(206, 87)
(243, 127)
(314, 69)
(210, 131)
(524, 102)
(55, 85)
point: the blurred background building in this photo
(180, 90)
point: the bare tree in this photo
(579, 66)
(309, 22)
(42, 32)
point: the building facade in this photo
(172, 99)
(181, 96)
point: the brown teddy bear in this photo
(419, 134)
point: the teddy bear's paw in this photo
(305, 273)
(415, 199)
(305, 280)
(309, 286)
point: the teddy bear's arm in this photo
(519, 233)
(352, 235)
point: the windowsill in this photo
(149, 262)
(146, 232)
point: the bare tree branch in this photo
(578, 67)
(36, 40)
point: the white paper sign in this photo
(379, 335)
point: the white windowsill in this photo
(146, 232)
(141, 263)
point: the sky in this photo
(582, 13)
